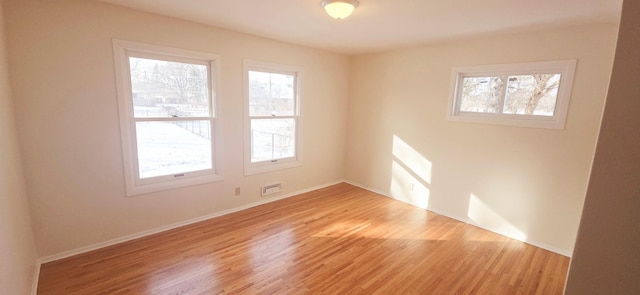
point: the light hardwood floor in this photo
(337, 240)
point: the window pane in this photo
(532, 94)
(166, 148)
(169, 89)
(272, 139)
(271, 94)
(482, 94)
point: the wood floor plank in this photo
(337, 240)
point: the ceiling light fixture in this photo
(339, 9)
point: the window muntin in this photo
(166, 100)
(272, 114)
(531, 94)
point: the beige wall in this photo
(17, 247)
(607, 253)
(523, 182)
(63, 76)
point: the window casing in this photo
(166, 102)
(272, 117)
(532, 94)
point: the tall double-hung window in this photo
(167, 116)
(272, 116)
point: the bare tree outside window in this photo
(168, 89)
(167, 117)
(272, 116)
(482, 94)
(523, 94)
(271, 107)
(532, 94)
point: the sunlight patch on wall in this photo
(412, 159)
(484, 216)
(410, 174)
(407, 188)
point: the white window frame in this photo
(134, 184)
(566, 68)
(273, 165)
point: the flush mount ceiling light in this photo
(339, 9)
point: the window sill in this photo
(516, 120)
(251, 170)
(167, 185)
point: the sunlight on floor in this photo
(264, 248)
(484, 216)
(172, 279)
(410, 174)
(342, 229)
(367, 229)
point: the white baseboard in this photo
(96, 246)
(36, 277)
(160, 229)
(469, 221)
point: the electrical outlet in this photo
(237, 191)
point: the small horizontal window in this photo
(528, 94)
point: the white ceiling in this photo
(378, 25)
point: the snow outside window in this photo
(272, 116)
(167, 115)
(528, 94)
